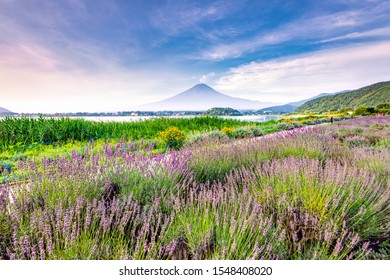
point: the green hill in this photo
(368, 96)
(282, 109)
(223, 112)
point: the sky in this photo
(104, 56)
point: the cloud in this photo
(28, 89)
(318, 28)
(207, 77)
(378, 32)
(235, 50)
(177, 17)
(27, 56)
(35, 78)
(298, 77)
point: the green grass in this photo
(23, 138)
(25, 131)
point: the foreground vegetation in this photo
(38, 138)
(22, 138)
(307, 193)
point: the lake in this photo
(140, 118)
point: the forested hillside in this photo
(369, 96)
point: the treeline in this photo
(382, 109)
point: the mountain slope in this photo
(202, 97)
(282, 109)
(369, 96)
(4, 111)
(299, 103)
(290, 107)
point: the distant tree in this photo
(383, 106)
(383, 109)
(345, 110)
(364, 111)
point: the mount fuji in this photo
(202, 97)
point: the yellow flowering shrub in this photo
(173, 137)
(228, 131)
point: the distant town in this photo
(212, 111)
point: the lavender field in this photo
(316, 192)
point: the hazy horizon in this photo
(83, 56)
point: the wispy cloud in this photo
(41, 86)
(378, 32)
(308, 29)
(299, 77)
(179, 16)
(206, 78)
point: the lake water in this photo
(140, 118)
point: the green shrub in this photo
(241, 133)
(384, 144)
(364, 111)
(378, 126)
(257, 131)
(285, 126)
(383, 106)
(216, 134)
